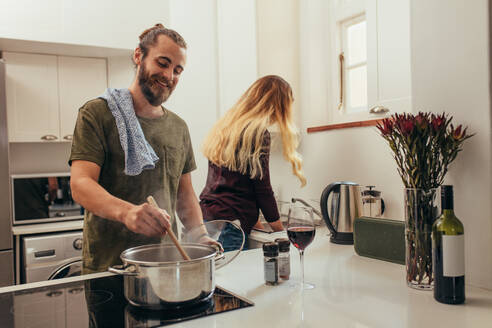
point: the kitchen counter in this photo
(351, 291)
(28, 229)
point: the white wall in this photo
(195, 97)
(278, 54)
(108, 23)
(358, 155)
(450, 72)
(449, 42)
(237, 49)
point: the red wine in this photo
(301, 237)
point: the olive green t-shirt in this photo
(96, 139)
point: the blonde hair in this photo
(236, 140)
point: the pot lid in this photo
(228, 233)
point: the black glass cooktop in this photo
(99, 303)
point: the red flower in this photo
(405, 124)
(386, 127)
(407, 127)
(421, 120)
(457, 133)
(438, 122)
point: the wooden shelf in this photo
(343, 125)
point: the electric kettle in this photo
(345, 206)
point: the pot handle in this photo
(129, 270)
(219, 256)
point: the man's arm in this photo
(190, 213)
(86, 191)
(187, 205)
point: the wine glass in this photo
(300, 230)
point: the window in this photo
(353, 64)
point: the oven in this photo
(41, 198)
(51, 256)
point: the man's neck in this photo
(142, 107)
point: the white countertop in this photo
(351, 291)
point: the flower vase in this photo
(420, 213)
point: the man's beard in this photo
(151, 89)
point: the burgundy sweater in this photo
(230, 195)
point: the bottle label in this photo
(271, 271)
(453, 255)
(283, 266)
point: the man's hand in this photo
(206, 240)
(147, 220)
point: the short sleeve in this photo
(88, 138)
(190, 163)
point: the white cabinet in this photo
(388, 45)
(79, 80)
(32, 96)
(44, 93)
(386, 76)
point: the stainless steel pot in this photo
(156, 276)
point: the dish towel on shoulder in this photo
(139, 155)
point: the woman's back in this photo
(233, 195)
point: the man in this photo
(117, 215)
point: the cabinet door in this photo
(32, 97)
(388, 45)
(80, 79)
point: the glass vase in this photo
(420, 213)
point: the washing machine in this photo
(51, 256)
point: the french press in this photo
(372, 203)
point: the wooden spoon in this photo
(175, 240)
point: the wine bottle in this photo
(448, 253)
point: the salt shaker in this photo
(270, 263)
(283, 258)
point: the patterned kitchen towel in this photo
(139, 155)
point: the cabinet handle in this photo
(49, 137)
(55, 293)
(76, 290)
(378, 110)
(68, 137)
(341, 59)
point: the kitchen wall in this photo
(453, 75)
(450, 72)
(221, 64)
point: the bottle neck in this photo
(447, 213)
(447, 201)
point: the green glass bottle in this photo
(448, 253)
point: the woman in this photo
(238, 150)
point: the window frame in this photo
(343, 28)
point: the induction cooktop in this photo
(99, 302)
